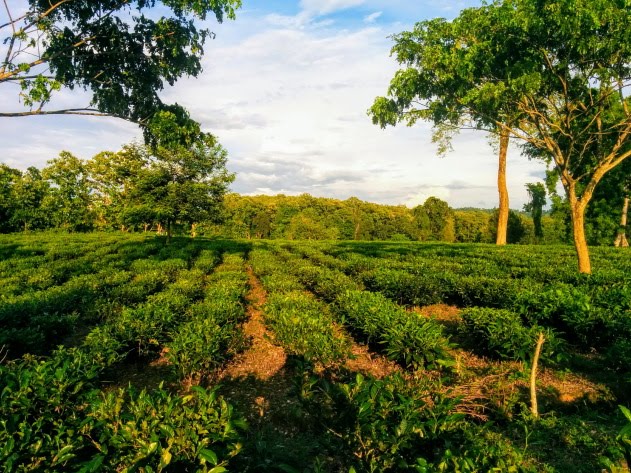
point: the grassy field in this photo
(123, 353)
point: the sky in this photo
(286, 88)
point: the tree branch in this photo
(68, 111)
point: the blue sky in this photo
(285, 88)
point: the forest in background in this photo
(136, 189)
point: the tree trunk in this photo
(577, 210)
(357, 228)
(502, 220)
(169, 231)
(193, 230)
(621, 239)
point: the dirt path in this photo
(368, 363)
(262, 360)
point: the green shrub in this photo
(407, 337)
(501, 333)
(158, 430)
(304, 327)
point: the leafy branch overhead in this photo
(122, 51)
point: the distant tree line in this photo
(184, 190)
(306, 217)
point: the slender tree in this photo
(447, 68)
(565, 82)
(537, 194)
(621, 238)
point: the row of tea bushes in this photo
(500, 333)
(34, 321)
(592, 312)
(301, 324)
(410, 339)
(54, 417)
(212, 334)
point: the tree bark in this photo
(621, 239)
(502, 220)
(169, 231)
(577, 210)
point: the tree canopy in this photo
(447, 67)
(123, 52)
(562, 66)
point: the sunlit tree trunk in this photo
(502, 221)
(577, 209)
(621, 239)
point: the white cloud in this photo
(324, 7)
(425, 193)
(288, 101)
(372, 17)
(310, 11)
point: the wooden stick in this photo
(533, 377)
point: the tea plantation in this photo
(123, 353)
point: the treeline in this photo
(305, 217)
(184, 191)
(136, 188)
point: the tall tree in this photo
(8, 178)
(119, 50)
(180, 184)
(448, 65)
(68, 203)
(537, 194)
(570, 71)
(29, 192)
(621, 238)
(112, 176)
(440, 219)
(576, 63)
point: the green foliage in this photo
(158, 430)
(123, 60)
(53, 417)
(38, 403)
(392, 425)
(412, 340)
(624, 437)
(501, 333)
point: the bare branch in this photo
(68, 111)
